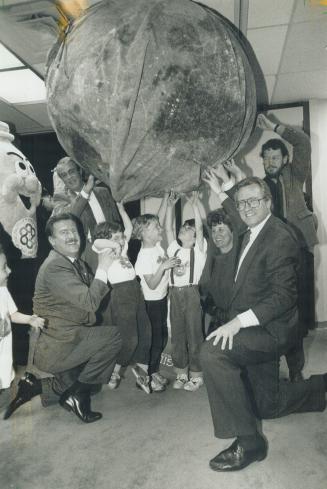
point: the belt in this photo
(183, 286)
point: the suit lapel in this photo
(249, 258)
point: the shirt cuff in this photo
(222, 197)
(101, 275)
(248, 318)
(84, 195)
(228, 185)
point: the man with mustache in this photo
(72, 347)
(285, 180)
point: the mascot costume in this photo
(20, 195)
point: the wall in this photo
(318, 129)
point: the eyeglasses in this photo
(253, 203)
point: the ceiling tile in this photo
(23, 124)
(307, 10)
(38, 112)
(267, 13)
(270, 84)
(296, 87)
(224, 7)
(305, 47)
(268, 45)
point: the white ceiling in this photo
(289, 38)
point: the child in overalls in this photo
(185, 306)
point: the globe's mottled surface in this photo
(143, 93)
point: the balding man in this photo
(91, 204)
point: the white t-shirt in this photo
(7, 307)
(147, 263)
(121, 270)
(182, 272)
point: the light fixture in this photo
(21, 86)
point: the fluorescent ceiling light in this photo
(21, 86)
(8, 60)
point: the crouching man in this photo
(72, 347)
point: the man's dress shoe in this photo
(236, 457)
(79, 404)
(29, 386)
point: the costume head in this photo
(20, 194)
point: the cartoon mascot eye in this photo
(24, 168)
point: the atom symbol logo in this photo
(27, 235)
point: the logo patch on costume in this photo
(24, 236)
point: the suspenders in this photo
(191, 267)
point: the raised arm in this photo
(76, 206)
(163, 209)
(234, 170)
(193, 199)
(211, 179)
(297, 138)
(169, 223)
(126, 221)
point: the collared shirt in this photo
(248, 318)
(254, 231)
(100, 274)
(95, 208)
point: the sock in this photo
(143, 367)
(250, 441)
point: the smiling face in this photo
(222, 236)
(65, 238)
(4, 270)
(71, 176)
(256, 206)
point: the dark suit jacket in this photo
(77, 205)
(67, 303)
(293, 176)
(267, 282)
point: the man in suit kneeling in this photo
(240, 359)
(71, 347)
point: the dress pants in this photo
(243, 384)
(306, 307)
(91, 361)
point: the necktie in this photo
(245, 242)
(82, 271)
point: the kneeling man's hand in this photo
(226, 332)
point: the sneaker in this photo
(142, 380)
(156, 386)
(160, 378)
(180, 381)
(114, 381)
(193, 384)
